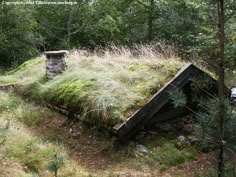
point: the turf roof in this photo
(103, 90)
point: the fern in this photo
(55, 164)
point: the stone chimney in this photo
(55, 63)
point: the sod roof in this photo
(104, 90)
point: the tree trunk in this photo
(221, 34)
(55, 174)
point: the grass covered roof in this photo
(105, 89)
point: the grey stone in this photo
(183, 140)
(142, 149)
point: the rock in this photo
(76, 134)
(142, 149)
(183, 140)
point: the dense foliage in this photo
(26, 30)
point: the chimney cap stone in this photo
(56, 53)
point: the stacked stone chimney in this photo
(55, 63)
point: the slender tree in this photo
(221, 78)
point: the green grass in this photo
(29, 114)
(31, 152)
(7, 103)
(164, 152)
(168, 155)
(103, 90)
